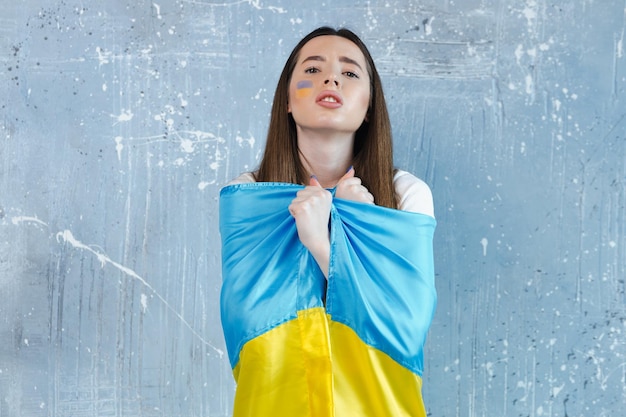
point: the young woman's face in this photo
(330, 86)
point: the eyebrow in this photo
(341, 59)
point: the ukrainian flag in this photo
(300, 345)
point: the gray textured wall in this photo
(120, 121)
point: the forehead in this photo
(330, 46)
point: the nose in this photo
(331, 80)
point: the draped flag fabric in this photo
(301, 345)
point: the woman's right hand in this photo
(311, 210)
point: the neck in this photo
(326, 155)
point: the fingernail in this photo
(314, 177)
(351, 166)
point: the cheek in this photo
(365, 100)
(303, 89)
(303, 93)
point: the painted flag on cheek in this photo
(301, 345)
(304, 88)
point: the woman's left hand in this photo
(350, 187)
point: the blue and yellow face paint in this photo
(304, 88)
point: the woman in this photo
(326, 305)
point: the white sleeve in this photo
(413, 194)
(244, 178)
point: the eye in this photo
(351, 74)
(311, 70)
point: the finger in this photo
(314, 182)
(351, 182)
(363, 193)
(349, 174)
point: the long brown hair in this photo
(373, 152)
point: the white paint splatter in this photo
(489, 368)
(186, 145)
(530, 84)
(250, 141)
(257, 96)
(125, 116)
(69, 238)
(203, 184)
(557, 390)
(484, 242)
(158, 10)
(119, 147)
(519, 53)
(103, 56)
(428, 27)
(530, 13)
(254, 3)
(144, 303)
(26, 219)
(148, 51)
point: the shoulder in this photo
(413, 194)
(244, 178)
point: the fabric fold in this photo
(303, 345)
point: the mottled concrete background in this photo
(121, 120)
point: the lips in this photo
(329, 99)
